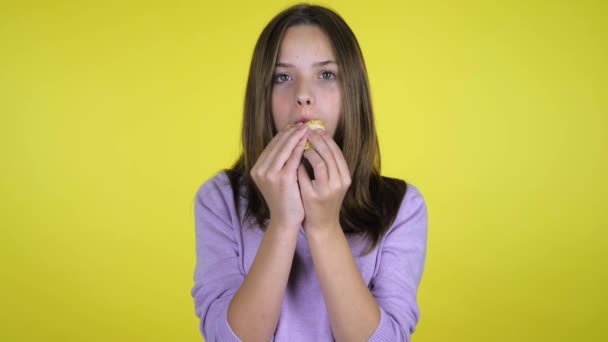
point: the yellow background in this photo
(113, 113)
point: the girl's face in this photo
(305, 80)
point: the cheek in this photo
(338, 102)
(333, 97)
(332, 110)
(332, 102)
(280, 110)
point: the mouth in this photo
(306, 117)
(312, 123)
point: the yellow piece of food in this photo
(314, 125)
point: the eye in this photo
(328, 75)
(280, 78)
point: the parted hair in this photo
(372, 201)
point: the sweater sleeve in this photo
(217, 275)
(401, 263)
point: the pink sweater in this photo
(226, 249)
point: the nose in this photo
(303, 94)
(303, 100)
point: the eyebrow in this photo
(317, 64)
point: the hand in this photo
(323, 196)
(275, 174)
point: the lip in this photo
(305, 117)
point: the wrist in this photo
(323, 231)
(282, 226)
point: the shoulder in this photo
(413, 195)
(398, 194)
(412, 212)
(219, 182)
(403, 246)
(413, 201)
(216, 193)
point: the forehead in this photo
(305, 42)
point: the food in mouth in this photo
(313, 125)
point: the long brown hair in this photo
(372, 201)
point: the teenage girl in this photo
(332, 252)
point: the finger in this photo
(287, 140)
(270, 146)
(279, 137)
(339, 157)
(296, 156)
(318, 165)
(285, 148)
(303, 180)
(322, 148)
